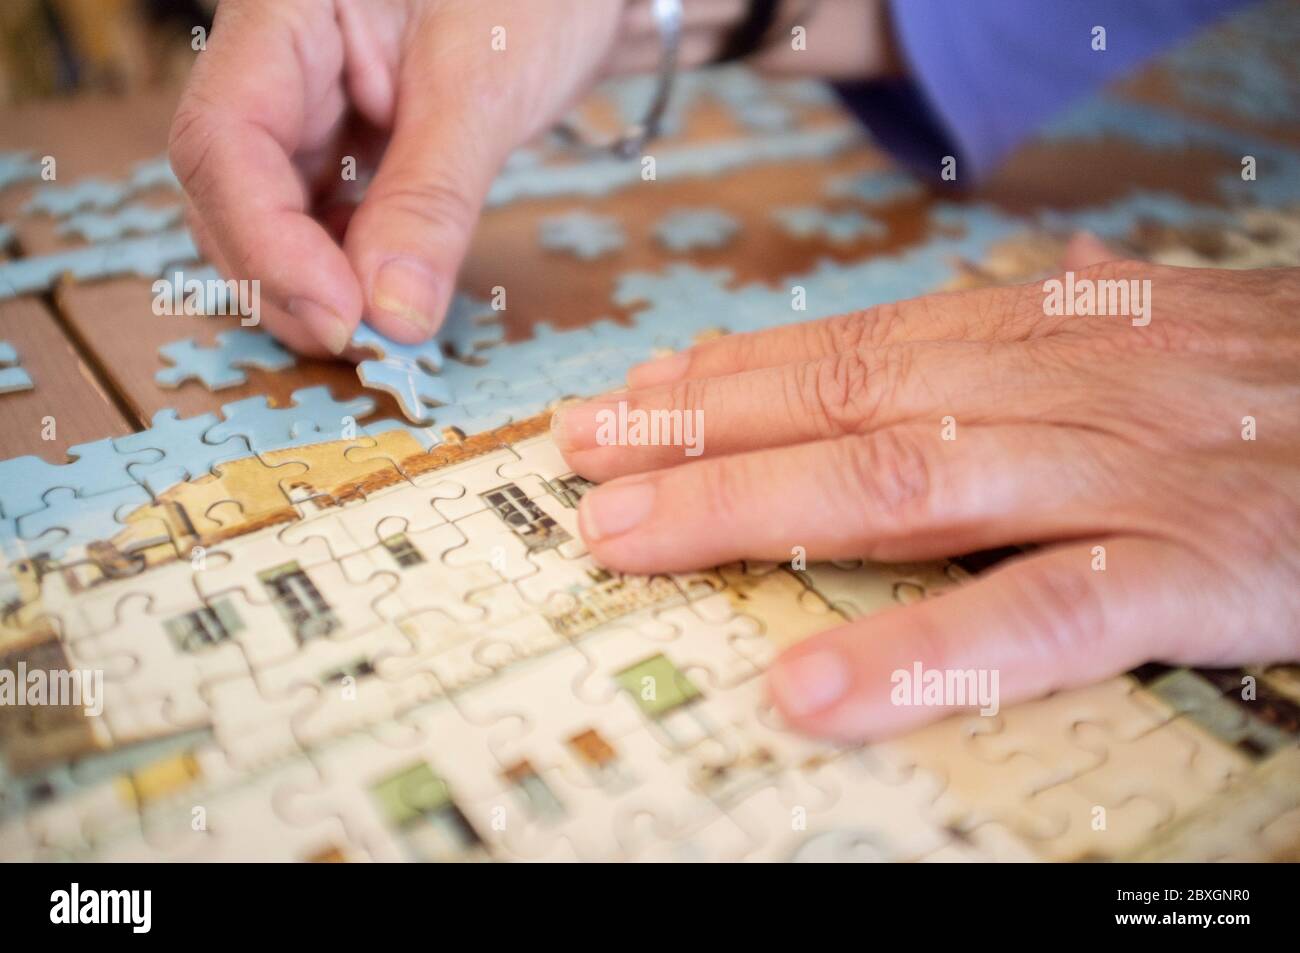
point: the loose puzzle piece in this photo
(96, 194)
(60, 200)
(838, 227)
(881, 187)
(147, 256)
(221, 366)
(17, 167)
(582, 234)
(128, 220)
(12, 376)
(687, 229)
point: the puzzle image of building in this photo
(425, 664)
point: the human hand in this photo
(1168, 453)
(286, 90)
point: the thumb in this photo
(410, 233)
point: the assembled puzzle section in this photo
(433, 669)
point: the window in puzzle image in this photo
(36, 730)
(525, 518)
(204, 627)
(299, 602)
(569, 489)
(417, 804)
(666, 696)
(536, 794)
(356, 670)
(600, 760)
(403, 550)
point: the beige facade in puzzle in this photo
(377, 667)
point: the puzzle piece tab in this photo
(222, 365)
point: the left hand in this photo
(1174, 447)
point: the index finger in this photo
(266, 88)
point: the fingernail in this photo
(809, 682)
(558, 433)
(407, 289)
(326, 326)
(610, 510)
(663, 370)
(576, 427)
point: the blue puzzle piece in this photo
(60, 200)
(582, 234)
(690, 300)
(876, 188)
(407, 371)
(314, 417)
(689, 228)
(128, 220)
(606, 175)
(68, 521)
(12, 377)
(1118, 218)
(16, 167)
(93, 469)
(471, 325)
(220, 366)
(809, 221)
(146, 256)
(185, 455)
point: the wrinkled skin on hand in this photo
(1167, 453)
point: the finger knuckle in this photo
(893, 473)
(1060, 609)
(726, 484)
(439, 206)
(883, 324)
(844, 332)
(684, 396)
(834, 393)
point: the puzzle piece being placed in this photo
(12, 377)
(582, 234)
(221, 366)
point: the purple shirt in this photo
(984, 74)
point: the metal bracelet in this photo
(668, 20)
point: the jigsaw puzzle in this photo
(381, 649)
(222, 365)
(319, 636)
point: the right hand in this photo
(271, 109)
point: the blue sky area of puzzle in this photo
(50, 508)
